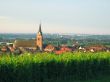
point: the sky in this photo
(56, 16)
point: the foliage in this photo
(45, 67)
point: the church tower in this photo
(39, 39)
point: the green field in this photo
(45, 67)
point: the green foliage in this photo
(44, 67)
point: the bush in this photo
(44, 67)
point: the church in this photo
(36, 44)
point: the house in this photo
(11, 49)
(63, 49)
(108, 49)
(95, 48)
(58, 52)
(4, 49)
(82, 49)
(49, 48)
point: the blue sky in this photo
(57, 16)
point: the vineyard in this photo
(45, 67)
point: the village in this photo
(36, 45)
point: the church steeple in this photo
(39, 39)
(40, 30)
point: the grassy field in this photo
(45, 67)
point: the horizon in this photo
(57, 33)
(60, 16)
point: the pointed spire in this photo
(40, 29)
